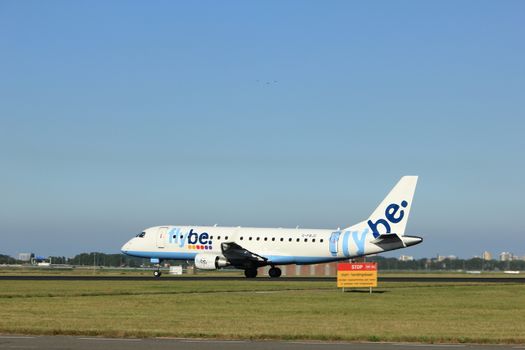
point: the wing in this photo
(240, 257)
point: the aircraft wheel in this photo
(157, 273)
(250, 273)
(274, 272)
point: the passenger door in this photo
(161, 237)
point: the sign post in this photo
(357, 275)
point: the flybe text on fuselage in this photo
(190, 239)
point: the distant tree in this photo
(58, 259)
(474, 264)
(107, 260)
(517, 265)
(6, 259)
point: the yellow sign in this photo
(357, 275)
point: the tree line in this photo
(93, 258)
(6, 259)
(101, 259)
(473, 264)
(109, 260)
(121, 260)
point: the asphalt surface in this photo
(84, 343)
(258, 279)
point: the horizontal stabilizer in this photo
(388, 238)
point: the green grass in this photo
(482, 313)
(446, 274)
(89, 271)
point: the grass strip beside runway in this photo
(468, 312)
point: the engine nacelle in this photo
(210, 261)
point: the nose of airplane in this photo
(124, 249)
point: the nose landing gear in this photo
(157, 262)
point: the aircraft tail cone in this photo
(411, 240)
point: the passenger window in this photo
(250, 239)
(321, 240)
(265, 238)
(313, 240)
(211, 237)
(282, 239)
(219, 237)
(297, 239)
(289, 239)
(257, 238)
(306, 239)
(226, 238)
(273, 239)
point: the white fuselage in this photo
(280, 245)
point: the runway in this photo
(260, 279)
(85, 343)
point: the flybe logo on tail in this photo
(393, 214)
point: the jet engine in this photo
(210, 261)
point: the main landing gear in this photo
(250, 273)
(274, 272)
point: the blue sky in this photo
(116, 116)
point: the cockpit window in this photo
(142, 234)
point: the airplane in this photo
(248, 248)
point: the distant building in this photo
(449, 257)
(486, 255)
(506, 256)
(406, 258)
(25, 256)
